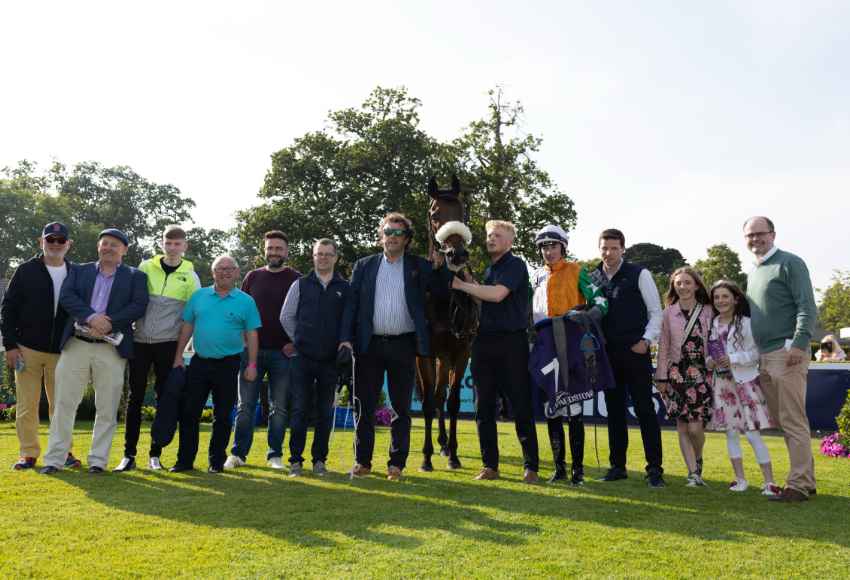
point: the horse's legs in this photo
(440, 402)
(427, 372)
(453, 406)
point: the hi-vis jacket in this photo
(168, 296)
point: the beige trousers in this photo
(80, 363)
(784, 389)
(37, 366)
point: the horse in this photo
(453, 324)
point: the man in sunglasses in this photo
(384, 322)
(32, 325)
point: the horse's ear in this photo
(432, 188)
(455, 185)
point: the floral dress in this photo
(688, 396)
(737, 406)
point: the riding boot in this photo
(555, 427)
(576, 428)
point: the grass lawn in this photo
(256, 522)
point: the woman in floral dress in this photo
(739, 405)
(682, 377)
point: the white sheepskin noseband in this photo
(450, 228)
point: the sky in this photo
(673, 121)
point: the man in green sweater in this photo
(783, 315)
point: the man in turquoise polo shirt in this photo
(783, 309)
(222, 319)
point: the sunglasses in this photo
(55, 240)
(397, 232)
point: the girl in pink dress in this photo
(682, 377)
(739, 405)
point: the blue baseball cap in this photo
(55, 229)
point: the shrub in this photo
(843, 421)
(148, 413)
(207, 416)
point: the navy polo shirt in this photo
(219, 322)
(511, 314)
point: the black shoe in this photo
(126, 464)
(614, 474)
(48, 470)
(179, 467)
(655, 480)
(95, 470)
(577, 478)
(559, 475)
(215, 469)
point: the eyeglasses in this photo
(397, 232)
(225, 270)
(754, 235)
(55, 240)
(323, 255)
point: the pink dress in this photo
(738, 406)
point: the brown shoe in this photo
(789, 495)
(487, 474)
(530, 477)
(393, 473)
(359, 470)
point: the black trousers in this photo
(160, 356)
(397, 357)
(500, 367)
(312, 387)
(208, 375)
(555, 427)
(632, 372)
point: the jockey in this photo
(563, 288)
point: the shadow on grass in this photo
(306, 511)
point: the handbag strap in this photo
(691, 323)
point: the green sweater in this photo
(782, 302)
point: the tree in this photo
(722, 263)
(654, 258)
(834, 309)
(498, 169)
(338, 182)
(87, 198)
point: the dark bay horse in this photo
(453, 322)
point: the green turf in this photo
(255, 522)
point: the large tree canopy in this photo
(89, 197)
(338, 182)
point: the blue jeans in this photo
(313, 390)
(275, 364)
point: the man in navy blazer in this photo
(384, 321)
(102, 299)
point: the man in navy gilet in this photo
(312, 316)
(633, 323)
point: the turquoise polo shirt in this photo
(219, 322)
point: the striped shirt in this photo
(391, 316)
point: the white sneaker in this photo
(275, 463)
(694, 480)
(154, 464)
(770, 489)
(739, 485)
(234, 461)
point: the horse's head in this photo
(446, 219)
